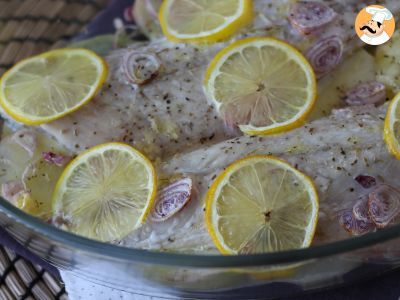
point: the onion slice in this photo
(372, 92)
(310, 16)
(366, 181)
(360, 210)
(55, 158)
(171, 199)
(140, 68)
(325, 55)
(384, 205)
(352, 225)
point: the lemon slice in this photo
(46, 87)
(261, 204)
(106, 192)
(203, 20)
(262, 85)
(392, 127)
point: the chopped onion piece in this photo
(172, 199)
(55, 158)
(366, 181)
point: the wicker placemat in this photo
(29, 27)
(20, 279)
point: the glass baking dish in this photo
(170, 275)
(206, 276)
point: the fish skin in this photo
(332, 151)
(121, 113)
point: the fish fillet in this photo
(332, 151)
(171, 120)
(171, 113)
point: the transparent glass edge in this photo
(188, 260)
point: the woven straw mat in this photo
(28, 27)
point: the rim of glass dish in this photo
(189, 260)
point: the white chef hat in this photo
(379, 14)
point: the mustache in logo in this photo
(368, 28)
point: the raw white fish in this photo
(167, 115)
(333, 151)
(171, 114)
(170, 120)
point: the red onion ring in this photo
(372, 92)
(310, 16)
(140, 67)
(360, 210)
(325, 55)
(384, 205)
(352, 225)
(171, 199)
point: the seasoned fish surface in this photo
(169, 118)
(158, 118)
(332, 151)
(171, 113)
